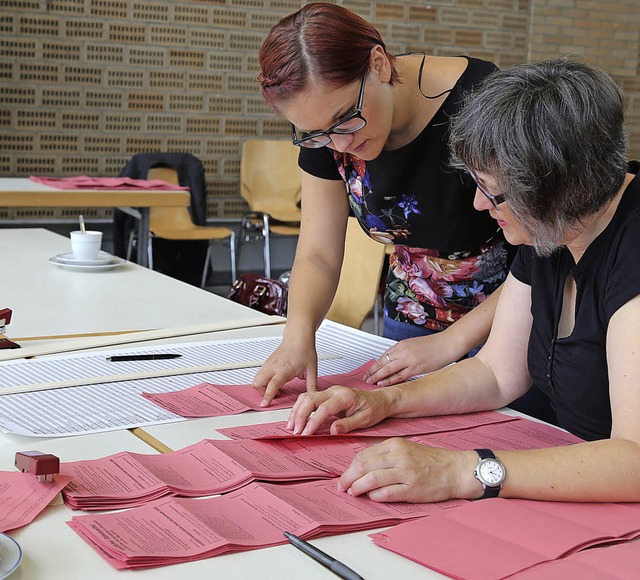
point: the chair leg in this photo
(149, 251)
(267, 244)
(232, 254)
(207, 261)
(376, 315)
(132, 235)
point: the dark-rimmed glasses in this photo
(496, 200)
(351, 123)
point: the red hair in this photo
(321, 42)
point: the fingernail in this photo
(289, 425)
(264, 403)
(382, 383)
(340, 488)
(306, 431)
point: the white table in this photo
(48, 300)
(51, 301)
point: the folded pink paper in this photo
(23, 497)
(208, 400)
(84, 182)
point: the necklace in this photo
(424, 58)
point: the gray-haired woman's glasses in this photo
(351, 123)
(496, 200)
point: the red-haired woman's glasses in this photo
(351, 123)
(496, 200)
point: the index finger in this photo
(273, 386)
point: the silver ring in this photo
(388, 357)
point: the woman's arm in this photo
(606, 470)
(416, 356)
(493, 378)
(314, 279)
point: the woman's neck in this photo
(596, 223)
(421, 76)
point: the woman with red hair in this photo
(378, 124)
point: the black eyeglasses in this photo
(349, 124)
(496, 200)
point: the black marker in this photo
(327, 561)
(126, 357)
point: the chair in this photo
(175, 223)
(270, 183)
(357, 291)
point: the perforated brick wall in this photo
(84, 84)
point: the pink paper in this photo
(208, 400)
(131, 479)
(386, 428)
(502, 537)
(85, 182)
(618, 562)
(23, 497)
(519, 433)
(172, 530)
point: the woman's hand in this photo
(411, 357)
(361, 409)
(400, 470)
(293, 358)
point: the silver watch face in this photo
(490, 472)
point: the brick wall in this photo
(84, 84)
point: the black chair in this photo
(177, 258)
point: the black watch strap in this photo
(485, 453)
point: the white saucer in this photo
(69, 258)
(10, 555)
(114, 262)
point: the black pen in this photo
(126, 357)
(327, 561)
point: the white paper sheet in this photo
(118, 405)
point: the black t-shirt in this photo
(573, 371)
(448, 257)
(412, 194)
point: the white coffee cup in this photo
(86, 245)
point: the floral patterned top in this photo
(447, 256)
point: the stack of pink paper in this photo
(208, 400)
(172, 530)
(208, 467)
(85, 182)
(496, 538)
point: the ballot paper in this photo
(129, 479)
(518, 434)
(386, 428)
(619, 562)
(23, 497)
(207, 400)
(502, 537)
(173, 530)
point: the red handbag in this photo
(263, 294)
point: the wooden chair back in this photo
(270, 179)
(359, 278)
(163, 219)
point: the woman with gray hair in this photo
(546, 145)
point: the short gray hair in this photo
(552, 135)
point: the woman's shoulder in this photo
(462, 68)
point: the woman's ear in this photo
(379, 63)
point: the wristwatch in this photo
(489, 472)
